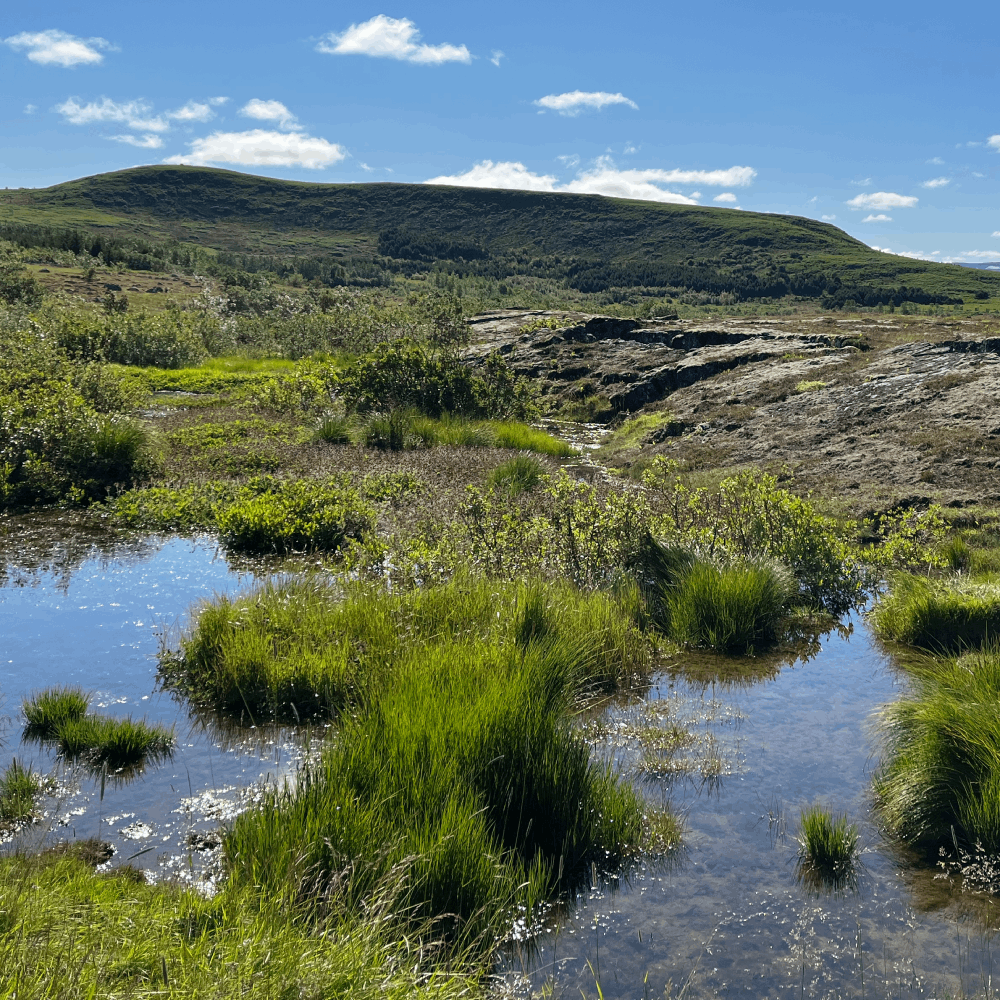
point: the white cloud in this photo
(882, 199)
(726, 196)
(134, 114)
(828, 218)
(975, 173)
(57, 48)
(977, 255)
(937, 182)
(604, 178)
(216, 101)
(569, 160)
(30, 109)
(862, 184)
(877, 218)
(148, 141)
(390, 38)
(696, 195)
(261, 148)
(496, 56)
(575, 101)
(997, 233)
(507, 175)
(994, 141)
(366, 168)
(936, 160)
(270, 111)
(193, 111)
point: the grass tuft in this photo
(19, 790)
(119, 743)
(520, 474)
(47, 712)
(828, 847)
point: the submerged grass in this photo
(828, 847)
(139, 940)
(304, 648)
(940, 616)
(939, 779)
(467, 775)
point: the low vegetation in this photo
(828, 848)
(20, 787)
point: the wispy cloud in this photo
(569, 160)
(978, 255)
(828, 218)
(604, 178)
(496, 56)
(997, 233)
(576, 101)
(262, 148)
(271, 111)
(30, 109)
(882, 199)
(862, 183)
(390, 38)
(629, 149)
(936, 160)
(727, 197)
(133, 114)
(877, 218)
(58, 48)
(937, 182)
(148, 141)
(193, 111)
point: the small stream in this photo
(724, 915)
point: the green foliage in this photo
(939, 615)
(732, 608)
(908, 540)
(750, 517)
(305, 648)
(468, 766)
(48, 711)
(19, 790)
(520, 474)
(118, 743)
(522, 438)
(940, 769)
(19, 288)
(828, 846)
(334, 429)
(388, 432)
(230, 947)
(107, 453)
(296, 516)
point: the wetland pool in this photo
(724, 915)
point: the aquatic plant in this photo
(19, 790)
(732, 608)
(119, 743)
(941, 616)
(939, 777)
(466, 772)
(48, 711)
(828, 846)
(304, 648)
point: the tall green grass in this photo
(47, 712)
(941, 616)
(304, 648)
(520, 474)
(66, 932)
(828, 847)
(940, 772)
(464, 774)
(19, 790)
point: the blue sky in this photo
(881, 117)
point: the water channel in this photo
(724, 915)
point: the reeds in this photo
(466, 775)
(828, 847)
(939, 780)
(940, 616)
(59, 716)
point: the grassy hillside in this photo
(587, 243)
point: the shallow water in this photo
(93, 613)
(728, 916)
(725, 915)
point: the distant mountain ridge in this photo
(588, 242)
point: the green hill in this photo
(585, 242)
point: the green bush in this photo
(466, 772)
(297, 516)
(734, 609)
(939, 776)
(942, 616)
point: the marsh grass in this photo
(305, 648)
(138, 940)
(47, 712)
(520, 474)
(119, 743)
(731, 608)
(940, 616)
(465, 772)
(334, 429)
(828, 848)
(939, 777)
(19, 791)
